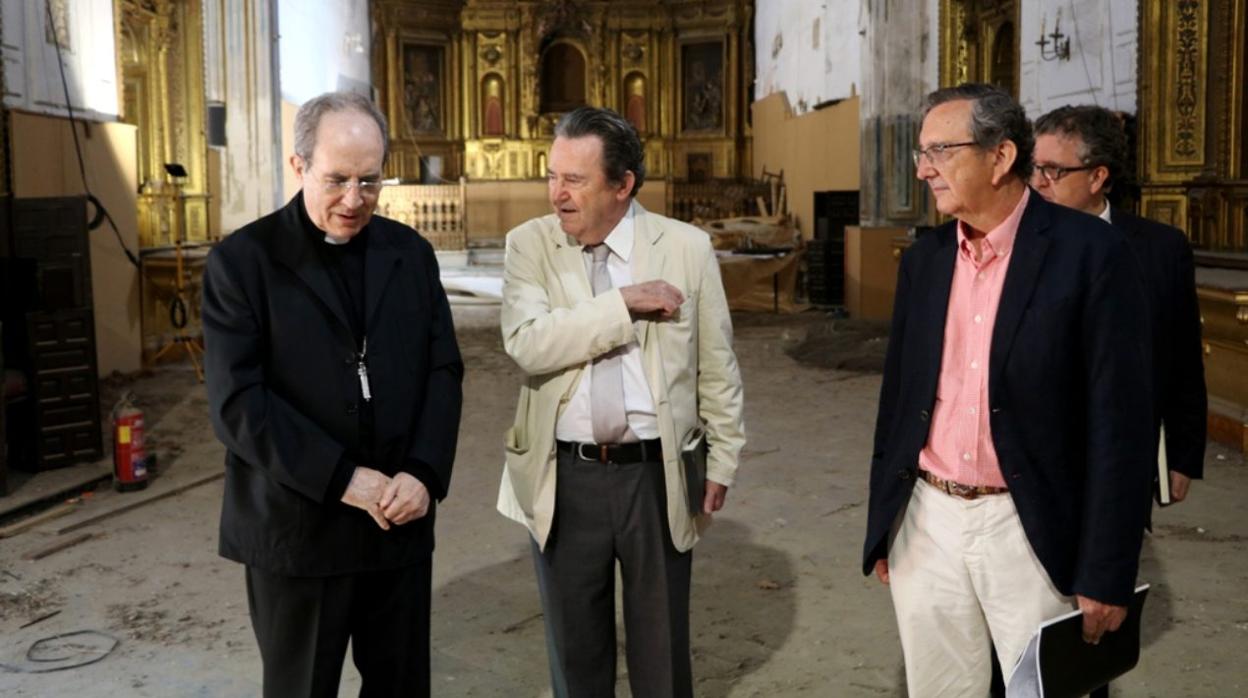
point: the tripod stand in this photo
(177, 306)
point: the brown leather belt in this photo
(957, 489)
(636, 452)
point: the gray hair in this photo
(996, 117)
(621, 146)
(308, 119)
(1103, 140)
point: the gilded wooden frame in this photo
(966, 58)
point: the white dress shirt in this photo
(1104, 215)
(576, 422)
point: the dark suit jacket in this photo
(1165, 259)
(1068, 390)
(284, 393)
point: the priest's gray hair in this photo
(308, 118)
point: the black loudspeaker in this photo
(826, 259)
(216, 124)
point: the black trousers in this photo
(606, 513)
(303, 624)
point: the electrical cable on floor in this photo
(71, 653)
(100, 211)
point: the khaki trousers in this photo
(963, 577)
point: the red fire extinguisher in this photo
(129, 455)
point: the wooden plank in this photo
(57, 546)
(128, 504)
(55, 512)
(762, 206)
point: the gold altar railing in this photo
(1217, 214)
(436, 211)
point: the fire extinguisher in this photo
(129, 456)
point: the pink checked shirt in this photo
(959, 445)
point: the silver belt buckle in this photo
(600, 458)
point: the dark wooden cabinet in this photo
(50, 348)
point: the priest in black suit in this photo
(334, 381)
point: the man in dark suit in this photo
(334, 382)
(1012, 460)
(1080, 152)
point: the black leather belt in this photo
(637, 452)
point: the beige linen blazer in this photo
(553, 325)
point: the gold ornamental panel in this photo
(1174, 50)
(497, 159)
(1165, 204)
(1218, 215)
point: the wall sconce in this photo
(1060, 42)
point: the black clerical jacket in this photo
(1069, 390)
(284, 394)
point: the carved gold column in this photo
(161, 47)
(1174, 37)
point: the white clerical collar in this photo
(620, 239)
(1104, 215)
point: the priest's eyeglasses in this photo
(937, 153)
(368, 188)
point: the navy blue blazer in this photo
(1069, 390)
(1181, 403)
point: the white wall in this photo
(1102, 67)
(808, 49)
(31, 76)
(324, 46)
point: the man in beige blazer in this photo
(618, 318)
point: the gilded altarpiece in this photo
(679, 70)
(160, 45)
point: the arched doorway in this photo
(563, 77)
(1003, 67)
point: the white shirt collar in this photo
(1104, 215)
(620, 239)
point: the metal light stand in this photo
(177, 307)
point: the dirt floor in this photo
(779, 605)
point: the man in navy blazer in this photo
(1080, 154)
(1013, 452)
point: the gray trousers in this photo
(605, 513)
